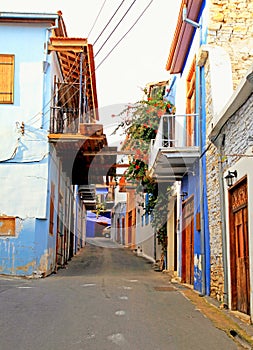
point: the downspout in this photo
(45, 67)
(69, 222)
(49, 29)
(75, 218)
(201, 194)
(202, 172)
(80, 119)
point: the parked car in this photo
(107, 232)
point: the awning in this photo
(101, 219)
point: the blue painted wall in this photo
(195, 183)
(25, 174)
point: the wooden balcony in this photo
(74, 131)
(90, 138)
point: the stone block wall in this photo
(240, 128)
(213, 197)
(215, 229)
(230, 26)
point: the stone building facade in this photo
(230, 27)
(239, 127)
(232, 136)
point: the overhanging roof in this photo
(28, 17)
(76, 57)
(183, 36)
(68, 51)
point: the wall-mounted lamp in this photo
(231, 175)
(188, 20)
(183, 195)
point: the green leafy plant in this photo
(100, 207)
(137, 169)
(140, 123)
(158, 206)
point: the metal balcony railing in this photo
(67, 120)
(64, 120)
(69, 109)
(177, 132)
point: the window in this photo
(7, 226)
(191, 104)
(6, 78)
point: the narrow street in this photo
(106, 298)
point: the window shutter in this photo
(190, 104)
(6, 78)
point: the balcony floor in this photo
(172, 163)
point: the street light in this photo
(231, 175)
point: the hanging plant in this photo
(159, 208)
(100, 207)
(137, 170)
(139, 124)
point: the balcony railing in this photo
(178, 132)
(64, 120)
(67, 121)
(69, 109)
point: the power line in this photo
(108, 38)
(109, 22)
(96, 18)
(72, 69)
(137, 20)
(129, 8)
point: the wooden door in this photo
(175, 236)
(239, 247)
(118, 231)
(129, 226)
(123, 239)
(188, 241)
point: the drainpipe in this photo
(74, 218)
(49, 29)
(201, 186)
(80, 92)
(45, 67)
(202, 229)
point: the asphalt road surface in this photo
(106, 298)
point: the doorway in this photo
(239, 247)
(188, 241)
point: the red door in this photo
(130, 226)
(188, 241)
(239, 247)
